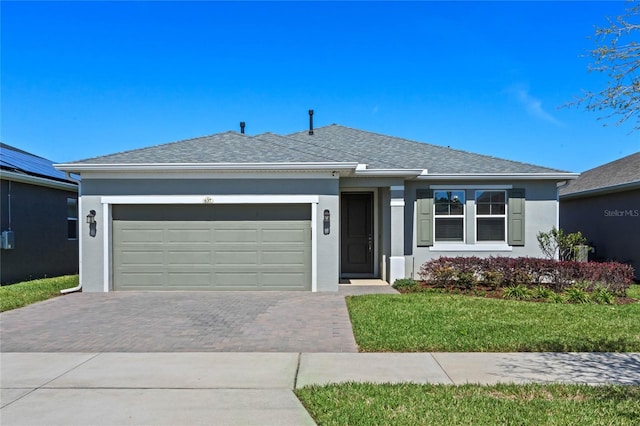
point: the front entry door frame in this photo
(375, 269)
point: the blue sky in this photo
(81, 79)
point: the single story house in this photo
(38, 218)
(604, 205)
(302, 211)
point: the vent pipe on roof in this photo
(242, 124)
(310, 121)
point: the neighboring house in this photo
(38, 220)
(604, 204)
(301, 212)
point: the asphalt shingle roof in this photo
(332, 143)
(625, 171)
(387, 152)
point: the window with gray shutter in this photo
(515, 217)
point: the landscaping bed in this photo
(540, 294)
(524, 278)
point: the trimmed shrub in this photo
(465, 272)
(602, 296)
(577, 294)
(542, 292)
(518, 292)
(558, 298)
(406, 284)
(493, 279)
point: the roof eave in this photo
(404, 173)
(155, 167)
(39, 181)
(555, 176)
(600, 191)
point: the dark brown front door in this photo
(356, 232)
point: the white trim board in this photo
(108, 201)
(436, 187)
(210, 199)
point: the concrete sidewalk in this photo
(253, 388)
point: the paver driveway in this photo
(183, 322)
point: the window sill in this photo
(471, 247)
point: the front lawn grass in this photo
(21, 294)
(413, 404)
(634, 291)
(438, 322)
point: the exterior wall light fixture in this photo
(91, 217)
(93, 225)
(326, 223)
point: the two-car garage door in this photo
(211, 247)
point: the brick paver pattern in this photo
(182, 322)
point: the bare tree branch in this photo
(617, 54)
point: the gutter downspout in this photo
(79, 286)
(559, 186)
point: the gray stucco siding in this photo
(541, 208)
(220, 186)
(93, 254)
(370, 182)
(610, 222)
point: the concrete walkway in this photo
(253, 388)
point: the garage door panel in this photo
(188, 258)
(188, 235)
(235, 279)
(141, 236)
(281, 280)
(283, 235)
(188, 255)
(190, 279)
(147, 258)
(235, 257)
(237, 235)
(284, 257)
(141, 280)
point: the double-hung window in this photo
(491, 216)
(449, 215)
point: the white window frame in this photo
(463, 216)
(490, 216)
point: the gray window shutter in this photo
(424, 217)
(515, 225)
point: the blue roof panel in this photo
(16, 160)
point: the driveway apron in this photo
(181, 322)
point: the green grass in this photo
(21, 294)
(634, 291)
(438, 322)
(412, 404)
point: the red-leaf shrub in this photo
(509, 271)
